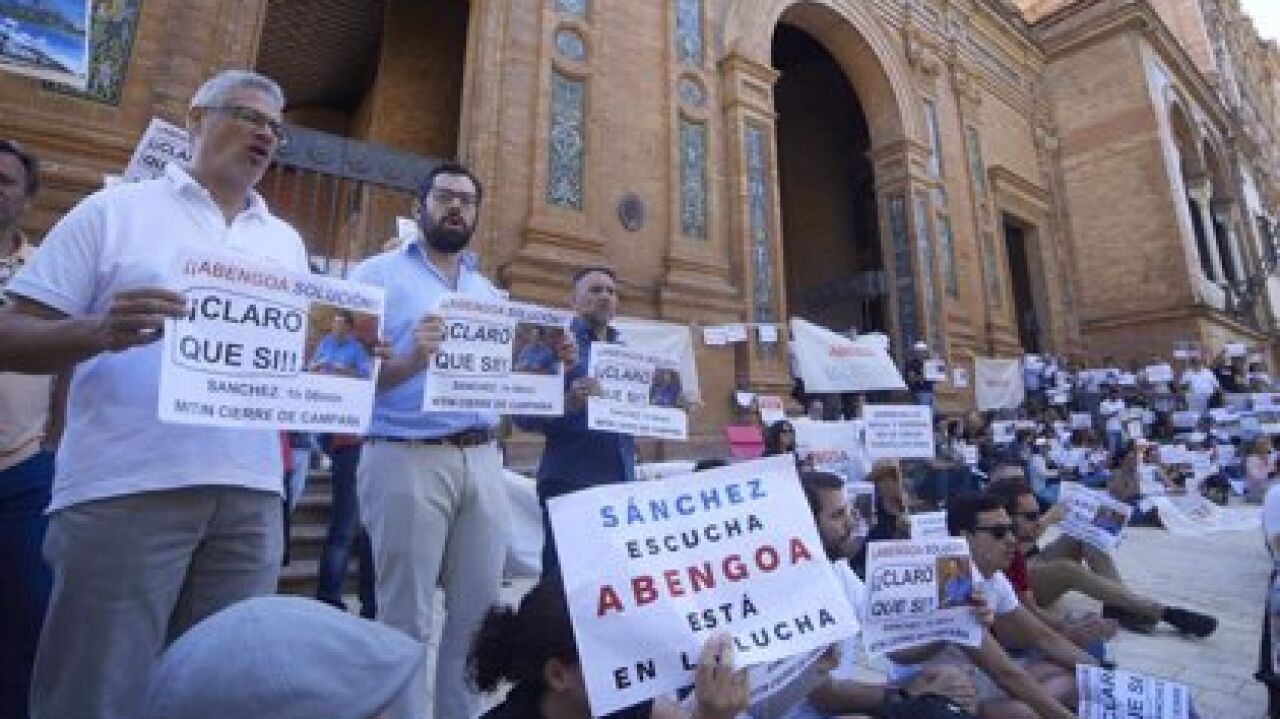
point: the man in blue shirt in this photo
(575, 457)
(339, 352)
(430, 483)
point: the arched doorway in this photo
(830, 228)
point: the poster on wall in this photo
(47, 40)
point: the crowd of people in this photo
(140, 565)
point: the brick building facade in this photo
(988, 176)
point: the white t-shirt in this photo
(851, 648)
(128, 237)
(1200, 381)
(1112, 409)
(1001, 597)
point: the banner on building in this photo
(898, 431)
(919, 592)
(1093, 517)
(998, 383)
(162, 143)
(47, 40)
(832, 447)
(497, 356)
(268, 349)
(1112, 693)
(640, 393)
(828, 362)
(673, 561)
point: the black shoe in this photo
(1189, 622)
(1128, 620)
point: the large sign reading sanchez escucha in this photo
(675, 560)
(497, 356)
(269, 349)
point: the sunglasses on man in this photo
(997, 531)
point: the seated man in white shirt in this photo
(1200, 384)
(1043, 687)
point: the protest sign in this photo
(1266, 402)
(714, 336)
(1093, 517)
(998, 383)
(1159, 373)
(829, 362)
(735, 333)
(268, 349)
(162, 143)
(771, 408)
(832, 447)
(969, 453)
(673, 561)
(898, 431)
(935, 370)
(768, 334)
(861, 498)
(640, 393)
(1235, 349)
(777, 687)
(960, 377)
(667, 338)
(1004, 431)
(1185, 419)
(919, 592)
(1112, 693)
(1081, 420)
(928, 525)
(497, 356)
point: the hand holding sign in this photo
(136, 317)
(721, 691)
(567, 351)
(582, 388)
(428, 335)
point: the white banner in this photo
(919, 592)
(832, 447)
(998, 383)
(901, 431)
(672, 561)
(162, 143)
(928, 525)
(268, 349)
(641, 393)
(497, 356)
(1115, 693)
(829, 362)
(666, 338)
(1093, 517)
(771, 409)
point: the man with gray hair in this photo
(152, 526)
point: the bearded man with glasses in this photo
(152, 526)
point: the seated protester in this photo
(1125, 485)
(779, 438)
(1015, 495)
(1257, 379)
(1258, 470)
(892, 518)
(1042, 473)
(937, 693)
(1006, 688)
(282, 658)
(533, 649)
(1066, 564)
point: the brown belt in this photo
(461, 440)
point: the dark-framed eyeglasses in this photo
(442, 196)
(997, 531)
(253, 118)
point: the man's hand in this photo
(567, 352)
(582, 388)
(982, 608)
(720, 692)
(952, 682)
(428, 335)
(382, 350)
(1054, 515)
(1090, 628)
(136, 317)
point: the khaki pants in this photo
(1057, 570)
(437, 515)
(130, 575)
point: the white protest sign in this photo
(666, 338)
(1093, 517)
(640, 393)
(998, 383)
(778, 687)
(735, 333)
(673, 561)
(262, 348)
(1185, 420)
(768, 334)
(935, 370)
(832, 446)
(928, 525)
(1114, 693)
(1266, 402)
(969, 453)
(162, 142)
(919, 592)
(1235, 349)
(960, 377)
(861, 498)
(1081, 420)
(1159, 373)
(829, 362)
(497, 356)
(771, 408)
(1004, 431)
(898, 431)
(714, 337)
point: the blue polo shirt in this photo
(576, 457)
(414, 287)
(347, 354)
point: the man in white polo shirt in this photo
(152, 526)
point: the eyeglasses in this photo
(1029, 516)
(253, 118)
(997, 531)
(442, 196)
